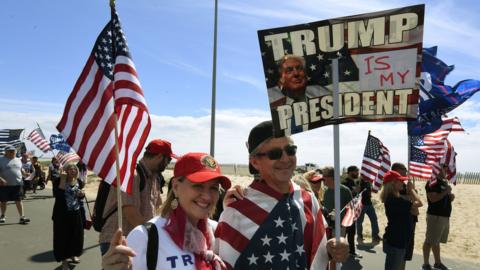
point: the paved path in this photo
(30, 246)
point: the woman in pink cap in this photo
(397, 210)
(184, 232)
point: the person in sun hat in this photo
(276, 224)
(397, 210)
(140, 205)
(185, 232)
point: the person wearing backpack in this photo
(140, 205)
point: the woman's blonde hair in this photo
(302, 182)
(166, 207)
(66, 168)
(388, 190)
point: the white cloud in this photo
(189, 133)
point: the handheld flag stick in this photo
(336, 151)
(117, 152)
(117, 166)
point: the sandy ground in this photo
(464, 238)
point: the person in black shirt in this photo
(369, 209)
(352, 174)
(440, 197)
(397, 210)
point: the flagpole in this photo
(38, 125)
(214, 83)
(117, 152)
(336, 152)
(408, 154)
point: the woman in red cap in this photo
(397, 210)
(185, 233)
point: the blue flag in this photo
(436, 98)
(58, 142)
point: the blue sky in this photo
(45, 44)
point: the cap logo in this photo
(209, 162)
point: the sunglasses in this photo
(277, 153)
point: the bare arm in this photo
(133, 216)
(435, 197)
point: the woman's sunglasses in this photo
(276, 153)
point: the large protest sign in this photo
(379, 57)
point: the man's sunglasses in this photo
(276, 153)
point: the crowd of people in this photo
(274, 223)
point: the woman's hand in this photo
(118, 256)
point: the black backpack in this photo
(102, 194)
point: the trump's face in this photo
(293, 75)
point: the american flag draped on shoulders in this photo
(108, 85)
(38, 139)
(376, 162)
(269, 230)
(353, 210)
(429, 152)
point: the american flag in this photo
(10, 137)
(269, 230)
(353, 210)
(64, 158)
(37, 138)
(450, 159)
(108, 88)
(429, 152)
(376, 162)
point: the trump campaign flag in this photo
(108, 94)
(436, 98)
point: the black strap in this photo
(141, 174)
(152, 245)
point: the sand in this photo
(464, 238)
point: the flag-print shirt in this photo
(270, 230)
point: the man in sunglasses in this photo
(292, 83)
(276, 224)
(140, 206)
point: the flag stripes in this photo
(429, 152)
(10, 137)
(108, 94)
(64, 158)
(376, 162)
(38, 139)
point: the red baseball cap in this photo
(200, 168)
(315, 178)
(391, 176)
(160, 147)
